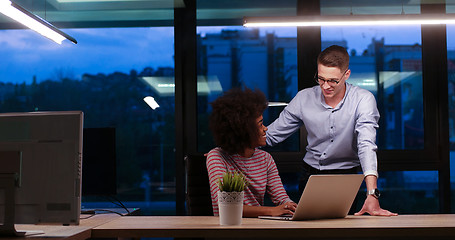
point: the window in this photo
(388, 63)
(390, 66)
(106, 75)
(264, 59)
(451, 92)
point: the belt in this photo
(313, 170)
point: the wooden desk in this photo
(59, 232)
(403, 226)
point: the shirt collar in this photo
(340, 104)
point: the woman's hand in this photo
(284, 209)
(255, 211)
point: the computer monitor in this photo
(99, 170)
(48, 182)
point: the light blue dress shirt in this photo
(338, 138)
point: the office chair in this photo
(198, 197)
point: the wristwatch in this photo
(375, 192)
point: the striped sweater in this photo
(260, 170)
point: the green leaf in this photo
(232, 182)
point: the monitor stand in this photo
(10, 179)
(8, 184)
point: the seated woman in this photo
(237, 127)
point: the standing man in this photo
(341, 121)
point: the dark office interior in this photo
(185, 53)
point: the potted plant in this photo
(230, 197)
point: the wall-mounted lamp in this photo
(151, 102)
(349, 20)
(33, 22)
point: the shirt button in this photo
(331, 140)
(324, 153)
(331, 127)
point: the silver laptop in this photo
(325, 196)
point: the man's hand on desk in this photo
(371, 206)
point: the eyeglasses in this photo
(331, 82)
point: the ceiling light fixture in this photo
(349, 20)
(33, 22)
(151, 102)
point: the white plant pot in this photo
(230, 206)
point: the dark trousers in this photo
(307, 171)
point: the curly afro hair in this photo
(233, 119)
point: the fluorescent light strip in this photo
(33, 22)
(350, 20)
(344, 23)
(277, 104)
